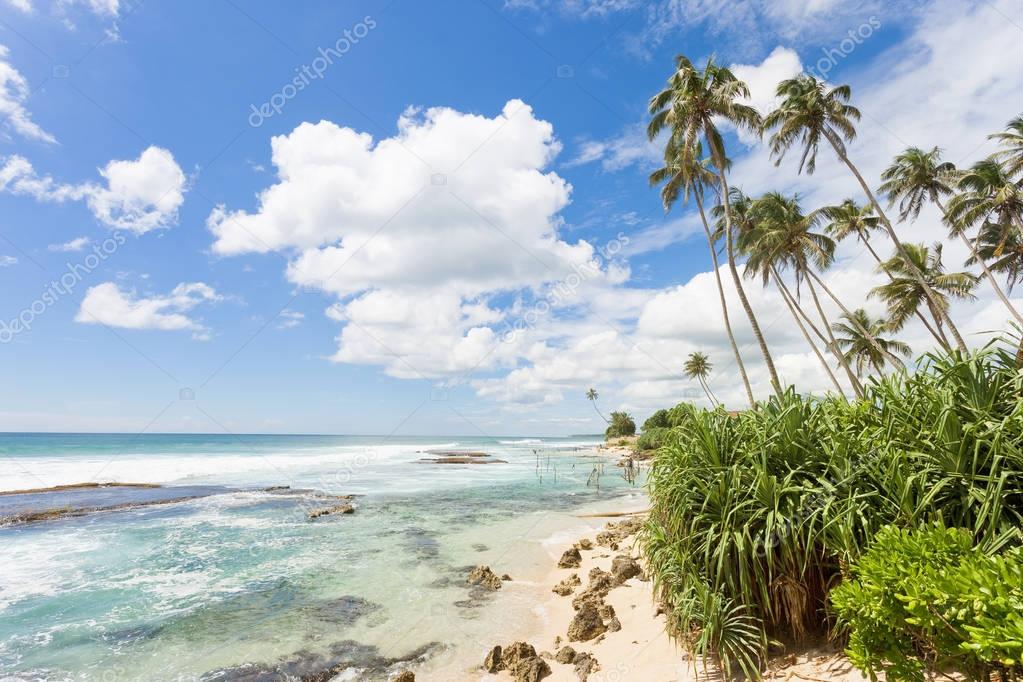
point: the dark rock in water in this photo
(480, 547)
(585, 665)
(483, 576)
(586, 624)
(566, 655)
(329, 511)
(405, 676)
(344, 610)
(570, 559)
(505, 577)
(422, 543)
(492, 663)
(624, 567)
(309, 667)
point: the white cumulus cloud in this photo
(14, 91)
(109, 304)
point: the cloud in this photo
(289, 319)
(139, 195)
(14, 91)
(76, 244)
(21, 5)
(7, 261)
(415, 233)
(762, 80)
(629, 148)
(108, 304)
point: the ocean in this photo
(219, 574)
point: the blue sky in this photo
(285, 273)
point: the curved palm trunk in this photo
(972, 246)
(832, 343)
(792, 309)
(598, 412)
(866, 333)
(724, 304)
(706, 390)
(917, 275)
(730, 250)
(920, 316)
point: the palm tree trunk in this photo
(730, 250)
(866, 333)
(983, 266)
(832, 342)
(941, 339)
(799, 323)
(724, 305)
(917, 275)
(706, 391)
(598, 412)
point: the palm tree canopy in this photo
(1002, 250)
(904, 294)
(693, 103)
(1012, 141)
(784, 237)
(858, 349)
(848, 218)
(697, 365)
(741, 207)
(592, 394)
(681, 178)
(916, 177)
(986, 193)
(809, 109)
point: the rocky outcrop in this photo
(585, 543)
(624, 567)
(615, 533)
(585, 665)
(565, 655)
(570, 559)
(519, 659)
(484, 577)
(567, 586)
(405, 676)
(329, 511)
(586, 624)
(614, 625)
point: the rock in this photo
(557, 641)
(570, 559)
(506, 577)
(624, 567)
(585, 665)
(585, 543)
(516, 653)
(493, 662)
(484, 577)
(606, 611)
(567, 586)
(339, 509)
(586, 624)
(566, 655)
(614, 625)
(531, 670)
(601, 583)
(405, 676)
(606, 538)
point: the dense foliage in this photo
(757, 516)
(621, 424)
(928, 600)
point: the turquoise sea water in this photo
(237, 583)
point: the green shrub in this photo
(658, 420)
(754, 515)
(652, 438)
(928, 600)
(621, 425)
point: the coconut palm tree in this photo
(858, 349)
(917, 177)
(1012, 139)
(684, 180)
(698, 366)
(987, 194)
(904, 295)
(691, 107)
(809, 111)
(592, 396)
(1004, 251)
(847, 219)
(785, 238)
